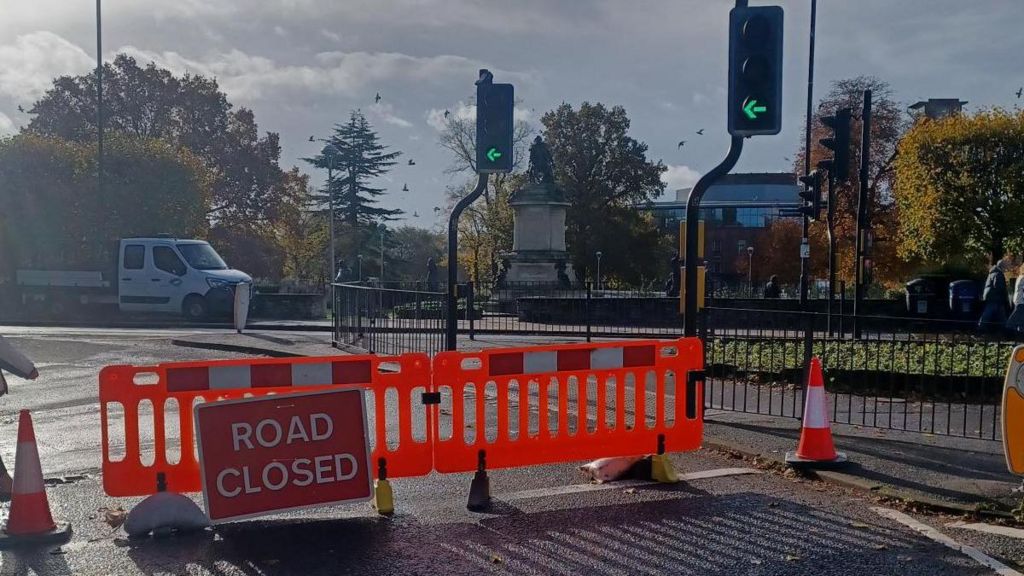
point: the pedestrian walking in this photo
(1015, 323)
(993, 317)
(772, 289)
(18, 364)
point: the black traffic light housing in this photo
(839, 143)
(755, 70)
(494, 124)
(811, 195)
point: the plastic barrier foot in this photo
(662, 469)
(480, 489)
(383, 497)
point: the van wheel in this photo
(194, 308)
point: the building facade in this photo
(736, 210)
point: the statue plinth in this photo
(538, 245)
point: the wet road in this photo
(761, 523)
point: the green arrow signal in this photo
(751, 109)
(493, 154)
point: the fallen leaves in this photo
(114, 517)
(792, 558)
(495, 559)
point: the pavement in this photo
(547, 519)
(938, 471)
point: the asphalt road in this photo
(763, 523)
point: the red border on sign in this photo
(202, 468)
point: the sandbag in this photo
(165, 512)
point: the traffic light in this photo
(839, 143)
(755, 70)
(811, 195)
(494, 103)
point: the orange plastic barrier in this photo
(148, 429)
(546, 404)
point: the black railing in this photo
(389, 318)
(937, 377)
(401, 317)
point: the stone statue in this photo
(431, 275)
(563, 278)
(541, 169)
(502, 280)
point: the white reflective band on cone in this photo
(28, 477)
(815, 413)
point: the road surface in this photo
(546, 520)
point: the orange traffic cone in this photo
(815, 449)
(30, 521)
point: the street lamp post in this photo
(359, 258)
(382, 230)
(750, 267)
(598, 254)
(99, 99)
(329, 152)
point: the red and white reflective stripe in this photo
(264, 375)
(815, 411)
(505, 364)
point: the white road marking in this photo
(933, 534)
(990, 528)
(618, 485)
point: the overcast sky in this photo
(303, 65)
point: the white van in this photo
(159, 274)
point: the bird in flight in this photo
(1019, 92)
(412, 162)
(311, 139)
(405, 188)
(700, 132)
(376, 98)
(437, 209)
(680, 145)
(20, 109)
(446, 113)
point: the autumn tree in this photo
(408, 251)
(605, 175)
(187, 111)
(53, 215)
(888, 123)
(960, 186)
(485, 227)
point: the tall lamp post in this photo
(598, 254)
(330, 153)
(383, 229)
(99, 99)
(359, 258)
(750, 267)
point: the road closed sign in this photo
(283, 452)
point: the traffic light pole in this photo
(452, 317)
(830, 220)
(805, 262)
(862, 211)
(692, 227)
